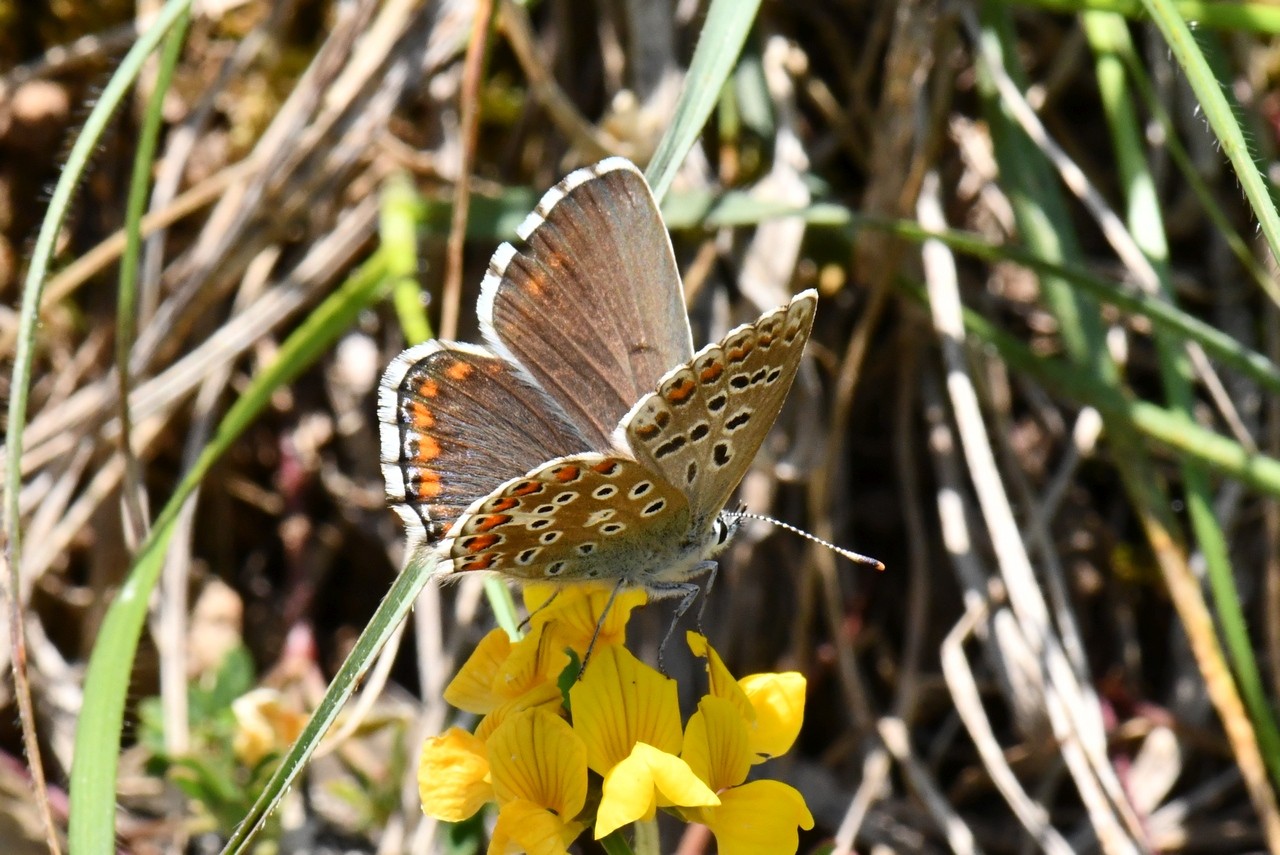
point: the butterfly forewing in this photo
(457, 421)
(703, 426)
(583, 517)
(589, 302)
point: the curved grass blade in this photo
(33, 286)
(93, 773)
(719, 44)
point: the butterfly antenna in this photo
(855, 557)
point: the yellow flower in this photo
(573, 613)
(778, 701)
(453, 776)
(499, 672)
(759, 818)
(628, 716)
(539, 770)
(265, 724)
(772, 704)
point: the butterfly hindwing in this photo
(577, 518)
(703, 426)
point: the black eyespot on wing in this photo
(722, 455)
(716, 403)
(640, 489)
(691, 473)
(738, 420)
(700, 430)
(654, 507)
(671, 446)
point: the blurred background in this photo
(1057, 428)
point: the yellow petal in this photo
(472, 688)
(526, 827)
(720, 681)
(632, 788)
(575, 613)
(715, 744)
(759, 818)
(453, 776)
(535, 756)
(778, 700)
(546, 697)
(534, 660)
(621, 701)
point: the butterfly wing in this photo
(457, 421)
(589, 301)
(703, 426)
(578, 518)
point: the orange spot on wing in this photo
(566, 474)
(505, 503)
(492, 521)
(420, 416)
(428, 388)
(428, 449)
(528, 488)
(648, 431)
(428, 485)
(480, 562)
(711, 373)
(459, 371)
(479, 542)
(680, 391)
(606, 467)
(739, 352)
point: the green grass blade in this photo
(1109, 36)
(126, 301)
(97, 745)
(719, 44)
(33, 287)
(1212, 99)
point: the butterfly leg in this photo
(688, 592)
(524, 624)
(710, 568)
(613, 595)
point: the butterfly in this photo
(585, 441)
